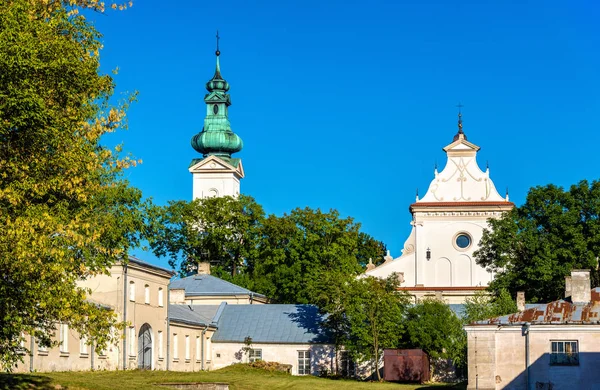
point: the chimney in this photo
(581, 289)
(520, 301)
(568, 288)
(177, 295)
(203, 268)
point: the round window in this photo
(215, 109)
(463, 241)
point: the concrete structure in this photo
(448, 222)
(548, 346)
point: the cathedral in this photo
(447, 225)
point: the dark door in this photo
(145, 348)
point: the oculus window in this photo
(462, 241)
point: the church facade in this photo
(447, 225)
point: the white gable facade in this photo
(214, 176)
(448, 222)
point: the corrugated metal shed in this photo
(286, 324)
(557, 312)
(209, 285)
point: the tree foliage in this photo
(66, 214)
(375, 311)
(221, 230)
(285, 258)
(433, 327)
(299, 248)
(484, 305)
(533, 247)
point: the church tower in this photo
(447, 225)
(216, 173)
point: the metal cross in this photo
(459, 107)
(218, 40)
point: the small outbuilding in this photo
(405, 365)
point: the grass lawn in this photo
(238, 377)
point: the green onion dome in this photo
(217, 83)
(217, 142)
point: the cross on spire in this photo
(460, 126)
(218, 37)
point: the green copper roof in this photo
(216, 137)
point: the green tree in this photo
(66, 214)
(533, 247)
(375, 312)
(370, 248)
(297, 249)
(433, 327)
(484, 305)
(222, 230)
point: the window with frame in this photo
(132, 291)
(132, 351)
(303, 362)
(160, 297)
(254, 355)
(198, 348)
(175, 347)
(83, 346)
(187, 347)
(64, 338)
(564, 353)
(160, 344)
(147, 294)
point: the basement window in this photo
(564, 353)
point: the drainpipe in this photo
(202, 348)
(251, 297)
(526, 334)
(168, 326)
(124, 316)
(31, 347)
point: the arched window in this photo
(132, 291)
(147, 294)
(160, 297)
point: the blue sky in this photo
(347, 104)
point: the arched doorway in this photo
(145, 348)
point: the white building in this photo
(448, 222)
(547, 346)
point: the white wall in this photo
(322, 355)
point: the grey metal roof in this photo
(135, 260)
(193, 314)
(284, 324)
(209, 285)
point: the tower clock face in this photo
(215, 109)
